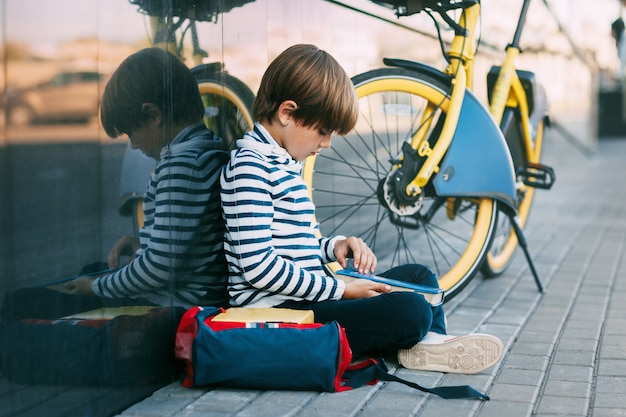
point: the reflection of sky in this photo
(45, 23)
(247, 37)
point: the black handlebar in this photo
(410, 7)
(442, 7)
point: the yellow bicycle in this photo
(430, 175)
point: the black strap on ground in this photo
(378, 371)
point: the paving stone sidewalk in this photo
(565, 349)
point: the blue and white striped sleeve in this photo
(183, 192)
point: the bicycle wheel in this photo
(227, 103)
(504, 242)
(349, 183)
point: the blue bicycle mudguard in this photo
(478, 162)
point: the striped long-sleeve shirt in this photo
(181, 259)
(271, 244)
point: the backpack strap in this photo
(372, 370)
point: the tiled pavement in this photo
(565, 350)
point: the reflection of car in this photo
(68, 96)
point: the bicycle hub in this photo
(391, 193)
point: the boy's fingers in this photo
(70, 286)
(365, 261)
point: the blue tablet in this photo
(433, 295)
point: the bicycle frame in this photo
(164, 36)
(461, 63)
(464, 110)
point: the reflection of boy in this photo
(275, 258)
(617, 31)
(178, 259)
(154, 99)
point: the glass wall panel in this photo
(68, 191)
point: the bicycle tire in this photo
(504, 243)
(228, 103)
(345, 181)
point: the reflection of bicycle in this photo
(429, 175)
(227, 100)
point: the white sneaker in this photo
(467, 354)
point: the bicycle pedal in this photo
(537, 175)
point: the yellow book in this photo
(265, 315)
(107, 313)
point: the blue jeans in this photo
(387, 322)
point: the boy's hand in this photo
(363, 288)
(79, 286)
(353, 247)
(126, 245)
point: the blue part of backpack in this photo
(266, 357)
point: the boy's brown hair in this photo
(320, 87)
(151, 75)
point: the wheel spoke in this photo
(347, 178)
